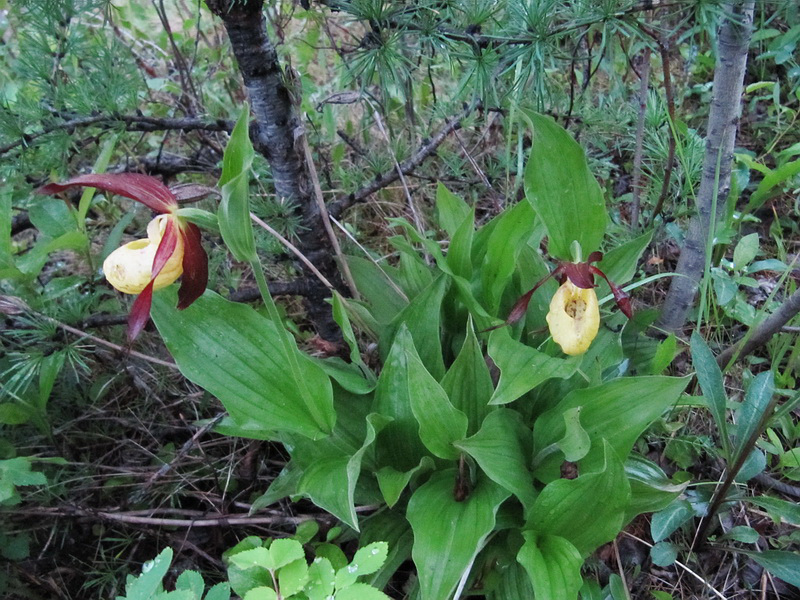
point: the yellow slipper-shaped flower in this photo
(129, 267)
(574, 318)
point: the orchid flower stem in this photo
(272, 310)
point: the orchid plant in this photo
(530, 465)
(172, 247)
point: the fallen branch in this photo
(298, 287)
(338, 206)
(275, 518)
(759, 336)
(770, 482)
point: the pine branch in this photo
(131, 123)
(167, 165)
(484, 41)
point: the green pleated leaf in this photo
(234, 207)
(709, 376)
(413, 273)
(562, 190)
(619, 410)
(498, 449)
(451, 209)
(399, 445)
(523, 368)
(343, 320)
(651, 489)
(236, 354)
(422, 318)
(589, 510)
(440, 424)
(553, 565)
(459, 253)
(331, 482)
(354, 377)
(393, 528)
(447, 534)
(53, 217)
(576, 442)
(468, 383)
(620, 263)
(503, 246)
(392, 482)
(513, 584)
(375, 285)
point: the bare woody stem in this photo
(277, 129)
(734, 40)
(131, 122)
(639, 152)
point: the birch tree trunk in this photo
(723, 119)
(274, 134)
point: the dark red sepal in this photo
(166, 248)
(594, 257)
(140, 311)
(521, 306)
(195, 267)
(580, 274)
(621, 297)
(143, 188)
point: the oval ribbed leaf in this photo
(562, 190)
(447, 534)
(236, 354)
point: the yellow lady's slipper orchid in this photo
(172, 247)
(129, 267)
(574, 318)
